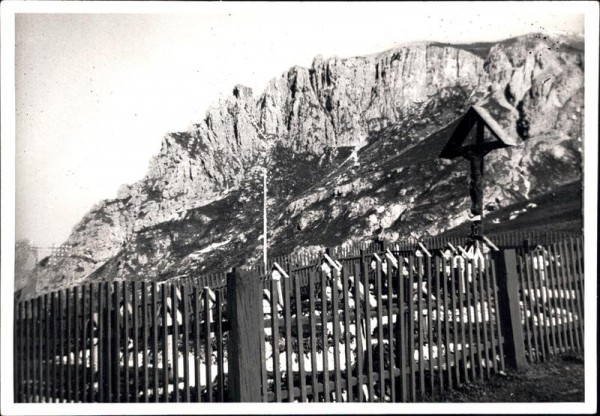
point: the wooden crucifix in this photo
(468, 140)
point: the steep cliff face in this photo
(351, 146)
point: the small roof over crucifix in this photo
(461, 141)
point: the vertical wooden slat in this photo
(85, 344)
(300, 332)
(116, 317)
(263, 354)
(47, 347)
(558, 300)
(155, 359)
(101, 352)
(477, 308)
(324, 339)
(542, 302)
(27, 348)
(380, 343)
(411, 330)
(483, 322)
(313, 334)
(109, 339)
(135, 314)
(61, 331)
(390, 306)
(538, 308)
(578, 287)
(429, 322)
(402, 344)
(369, 345)
(208, 345)
(287, 320)
(76, 339)
(421, 329)
(275, 336)
(220, 347)
(145, 350)
(126, 337)
(37, 361)
(335, 308)
(491, 313)
(460, 276)
(197, 363)
(456, 338)
(17, 358)
(186, 328)
(448, 315)
(165, 341)
(175, 339)
(468, 280)
(496, 309)
(53, 372)
(439, 320)
(90, 336)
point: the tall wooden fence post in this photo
(510, 311)
(244, 304)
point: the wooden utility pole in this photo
(265, 218)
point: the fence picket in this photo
(196, 322)
(483, 320)
(367, 321)
(300, 332)
(325, 338)
(220, 352)
(145, 350)
(287, 321)
(358, 330)
(165, 342)
(496, 309)
(174, 340)
(448, 315)
(348, 349)
(401, 334)
(275, 335)
(335, 276)
(411, 329)
(380, 344)
(460, 277)
(208, 345)
(313, 333)
(438, 326)
(477, 307)
(390, 306)
(429, 323)
(576, 307)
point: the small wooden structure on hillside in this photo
(469, 140)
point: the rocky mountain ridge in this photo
(351, 146)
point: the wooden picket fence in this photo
(378, 333)
(121, 342)
(376, 322)
(551, 298)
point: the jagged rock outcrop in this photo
(351, 146)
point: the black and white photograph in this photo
(362, 207)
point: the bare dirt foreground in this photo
(560, 379)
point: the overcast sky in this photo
(95, 93)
